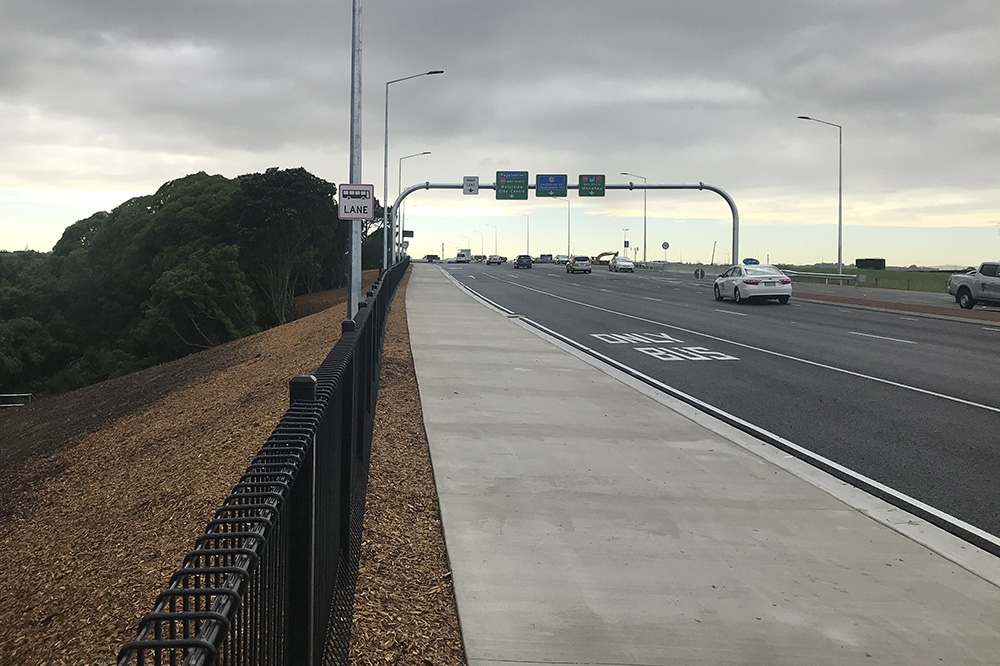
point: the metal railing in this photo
(15, 399)
(272, 579)
(857, 279)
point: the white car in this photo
(619, 264)
(762, 281)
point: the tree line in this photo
(203, 260)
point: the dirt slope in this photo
(112, 484)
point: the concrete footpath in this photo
(591, 520)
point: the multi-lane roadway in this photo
(907, 402)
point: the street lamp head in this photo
(435, 71)
(804, 118)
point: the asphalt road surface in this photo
(909, 402)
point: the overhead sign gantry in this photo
(514, 185)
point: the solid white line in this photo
(909, 319)
(990, 329)
(882, 337)
(738, 314)
(852, 373)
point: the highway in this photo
(905, 401)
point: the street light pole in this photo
(840, 192)
(568, 208)
(625, 242)
(399, 184)
(494, 238)
(387, 225)
(635, 175)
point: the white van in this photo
(463, 257)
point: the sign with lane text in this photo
(356, 202)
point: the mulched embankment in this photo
(114, 483)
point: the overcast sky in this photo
(103, 100)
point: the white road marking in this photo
(650, 298)
(803, 452)
(909, 319)
(816, 364)
(607, 290)
(472, 277)
(882, 337)
(738, 314)
(991, 329)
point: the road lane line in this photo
(816, 364)
(738, 314)
(650, 298)
(909, 319)
(882, 337)
(866, 483)
(990, 329)
(608, 290)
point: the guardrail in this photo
(15, 399)
(857, 279)
(272, 579)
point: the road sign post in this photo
(512, 185)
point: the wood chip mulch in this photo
(112, 484)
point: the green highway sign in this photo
(512, 185)
(592, 185)
(550, 185)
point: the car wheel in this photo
(737, 296)
(782, 299)
(588, 272)
(965, 299)
(718, 293)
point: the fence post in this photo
(301, 388)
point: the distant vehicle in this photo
(503, 259)
(493, 259)
(971, 287)
(599, 260)
(561, 259)
(619, 264)
(545, 258)
(463, 257)
(450, 260)
(578, 264)
(763, 281)
(431, 258)
(522, 261)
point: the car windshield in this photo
(763, 270)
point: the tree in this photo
(202, 302)
(285, 223)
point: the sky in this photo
(104, 100)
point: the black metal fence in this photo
(272, 579)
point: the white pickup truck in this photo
(972, 287)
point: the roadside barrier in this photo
(272, 579)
